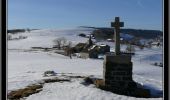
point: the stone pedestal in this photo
(117, 76)
(117, 72)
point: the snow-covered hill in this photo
(26, 67)
(126, 36)
(44, 38)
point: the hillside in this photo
(26, 66)
(105, 33)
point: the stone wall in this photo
(84, 55)
(117, 72)
(117, 77)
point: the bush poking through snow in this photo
(16, 95)
(55, 80)
(32, 89)
(158, 64)
(82, 35)
(87, 81)
(49, 73)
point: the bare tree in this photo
(130, 48)
(28, 30)
(69, 44)
(64, 41)
(57, 43)
(60, 42)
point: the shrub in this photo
(49, 73)
(82, 35)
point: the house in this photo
(104, 48)
(90, 50)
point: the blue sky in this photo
(138, 14)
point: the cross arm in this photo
(117, 24)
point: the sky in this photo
(57, 14)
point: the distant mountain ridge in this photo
(139, 33)
(105, 33)
(13, 31)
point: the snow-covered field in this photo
(27, 67)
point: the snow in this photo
(143, 41)
(30, 66)
(76, 91)
(26, 67)
(93, 46)
(44, 38)
(126, 36)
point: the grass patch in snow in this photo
(16, 95)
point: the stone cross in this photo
(117, 24)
